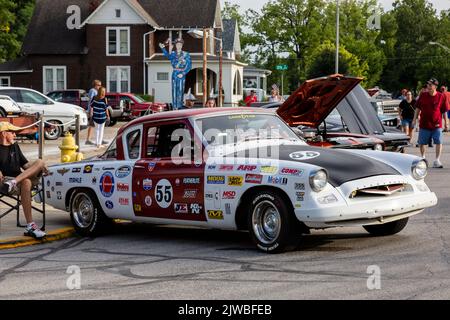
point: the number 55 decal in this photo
(164, 193)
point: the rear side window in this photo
(134, 144)
(32, 97)
(10, 93)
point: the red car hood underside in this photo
(315, 99)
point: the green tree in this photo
(8, 42)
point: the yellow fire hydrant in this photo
(68, 149)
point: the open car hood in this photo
(315, 99)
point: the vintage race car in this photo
(237, 169)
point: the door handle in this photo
(139, 167)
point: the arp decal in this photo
(195, 180)
(107, 184)
(164, 193)
(235, 181)
(215, 214)
(109, 205)
(88, 168)
(151, 166)
(216, 180)
(124, 201)
(195, 208)
(148, 201)
(269, 169)
(304, 155)
(181, 208)
(277, 180)
(123, 187)
(62, 171)
(75, 180)
(291, 172)
(123, 172)
(147, 184)
(247, 168)
(229, 195)
(253, 178)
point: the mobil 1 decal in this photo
(164, 193)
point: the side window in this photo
(32, 97)
(160, 142)
(11, 93)
(111, 152)
(134, 144)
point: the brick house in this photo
(71, 42)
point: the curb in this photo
(18, 242)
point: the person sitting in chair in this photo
(18, 176)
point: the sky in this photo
(387, 4)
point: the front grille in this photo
(381, 191)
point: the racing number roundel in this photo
(164, 193)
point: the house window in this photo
(118, 79)
(5, 81)
(118, 13)
(118, 41)
(199, 84)
(55, 78)
(162, 76)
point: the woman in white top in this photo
(275, 95)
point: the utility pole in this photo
(337, 37)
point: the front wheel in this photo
(87, 215)
(387, 229)
(272, 223)
(54, 132)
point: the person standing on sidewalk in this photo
(406, 111)
(430, 107)
(100, 114)
(444, 90)
(96, 84)
(18, 176)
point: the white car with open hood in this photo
(240, 169)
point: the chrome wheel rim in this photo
(266, 222)
(55, 131)
(82, 210)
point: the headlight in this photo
(318, 180)
(378, 147)
(419, 169)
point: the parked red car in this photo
(133, 105)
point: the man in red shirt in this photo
(252, 98)
(444, 90)
(431, 106)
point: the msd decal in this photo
(253, 178)
(247, 168)
(291, 172)
(107, 184)
(229, 195)
(277, 180)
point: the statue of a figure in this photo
(182, 64)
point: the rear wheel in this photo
(272, 223)
(87, 215)
(387, 229)
(54, 132)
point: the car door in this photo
(167, 184)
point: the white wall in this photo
(107, 14)
(163, 89)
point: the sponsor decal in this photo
(298, 205)
(148, 201)
(277, 180)
(124, 201)
(151, 166)
(299, 186)
(215, 214)
(246, 168)
(107, 184)
(164, 193)
(190, 194)
(211, 167)
(50, 173)
(195, 208)
(59, 195)
(134, 194)
(58, 184)
(76, 170)
(108, 169)
(109, 205)
(191, 181)
(177, 182)
(181, 208)
(209, 196)
(304, 155)
(94, 180)
(291, 172)
(123, 172)
(228, 208)
(137, 208)
(48, 183)
(198, 163)
(269, 169)
(226, 167)
(88, 168)
(62, 171)
(235, 181)
(53, 189)
(147, 184)
(300, 196)
(75, 180)
(216, 180)
(253, 178)
(242, 117)
(48, 195)
(229, 195)
(123, 187)
(97, 169)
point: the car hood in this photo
(315, 99)
(342, 166)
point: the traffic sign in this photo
(282, 67)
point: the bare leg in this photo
(423, 150)
(411, 134)
(89, 133)
(438, 151)
(33, 171)
(25, 194)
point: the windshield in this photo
(138, 99)
(236, 128)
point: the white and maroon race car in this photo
(238, 169)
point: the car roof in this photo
(190, 113)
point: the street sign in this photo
(282, 67)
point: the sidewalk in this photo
(58, 224)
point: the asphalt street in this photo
(155, 262)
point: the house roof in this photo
(229, 34)
(48, 32)
(18, 65)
